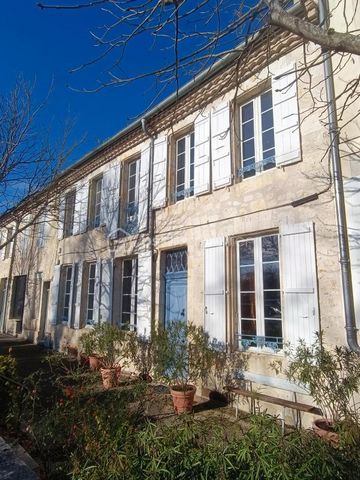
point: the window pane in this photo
(246, 250)
(266, 101)
(247, 112)
(248, 327)
(90, 302)
(248, 149)
(268, 139)
(248, 130)
(247, 279)
(267, 120)
(272, 304)
(273, 328)
(180, 177)
(270, 248)
(127, 268)
(271, 276)
(127, 285)
(181, 161)
(181, 145)
(248, 309)
(126, 304)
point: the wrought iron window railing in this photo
(257, 167)
(181, 194)
(273, 343)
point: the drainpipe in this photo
(350, 321)
(151, 222)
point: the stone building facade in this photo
(216, 208)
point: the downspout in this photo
(151, 222)
(348, 298)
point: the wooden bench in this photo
(263, 397)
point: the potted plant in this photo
(88, 346)
(182, 357)
(332, 377)
(140, 354)
(111, 346)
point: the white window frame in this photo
(259, 294)
(132, 218)
(89, 293)
(64, 283)
(258, 144)
(188, 190)
(69, 215)
(133, 294)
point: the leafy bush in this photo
(8, 384)
(140, 353)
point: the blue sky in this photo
(43, 45)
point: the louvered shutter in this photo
(159, 172)
(214, 289)
(97, 299)
(106, 290)
(143, 189)
(77, 293)
(220, 146)
(144, 280)
(81, 207)
(299, 281)
(352, 198)
(61, 217)
(286, 116)
(110, 199)
(202, 154)
(54, 295)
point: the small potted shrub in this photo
(88, 346)
(182, 357)
(332, 377)
(111, 346)
(140, 354)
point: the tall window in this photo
(132, 195)
(257, 135)
(66, 297)
(18, 296)
(10, 233)
(69, 213)
(260, 315)
(129, 293)
(95, 202)
(90, 303)
(185, 167)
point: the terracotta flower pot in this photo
(183, 400)
(109, 377)
(94, 362)
(324, 429)
(118, 373)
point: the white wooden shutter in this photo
(214, 289)
(110, 199)
(159, 172)
(97, 299)
(77, 293)
(81, 207)
(220, 146)
(144, 188)
(106, 290)
(352, 198)
(298, 267)
(54, 295)
(286, 116)
(202, 154)
(2, 240)
(144, 280)
(61, 217)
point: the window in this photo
(69, 213)
(132, 196)
(66, 293)
(18, 297)
(125, 304)
(42, 230)
(257, 135)
(90, 302)
(95, 202)
(259, 294)
(10, 233)
(184, 167)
